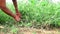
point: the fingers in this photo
(17, 18)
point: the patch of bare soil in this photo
(36, 31)
(33, 31)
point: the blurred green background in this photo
(35, 13)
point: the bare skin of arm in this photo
(16, 8)
(7, 11)
(15, 5)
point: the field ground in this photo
(33, 31)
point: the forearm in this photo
(15, 5)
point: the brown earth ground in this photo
(34, 31)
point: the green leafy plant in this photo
(35, 12)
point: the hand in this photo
(17, 17)
(18, 14)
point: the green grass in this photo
(35, 14)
